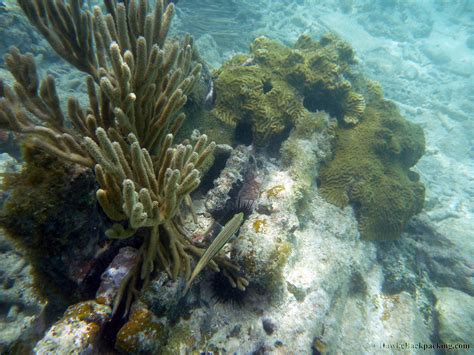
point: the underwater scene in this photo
(236, 177)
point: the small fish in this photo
(222, 238)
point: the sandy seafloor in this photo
(422, 53)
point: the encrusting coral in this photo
(136, 86)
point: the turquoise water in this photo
(286, 103)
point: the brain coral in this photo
(370, 170)
(274, 86)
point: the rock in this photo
(463, 67)
(231, 178)
(21, 311)
(8, 165)
(269, 325)
(143, 333)
(115, 274)
(410, 72)
(436, 254)
(209, 49)
(164, 296)
(262, 248)
(456, 316)
(77, 332)
(50, 213)
(423, 250)
(377, 324)
(435, 54)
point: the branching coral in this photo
(137, 84)
(142, 83)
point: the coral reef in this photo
(370, 170)
(302, 269)
(297, 259)
(263, 254)
(137, 83)
(275, 86)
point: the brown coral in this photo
(275, 86)
(137, 84)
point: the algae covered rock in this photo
(51, 215)
(370, 171)
(143, 333)
(77, 332)
(268, 91)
